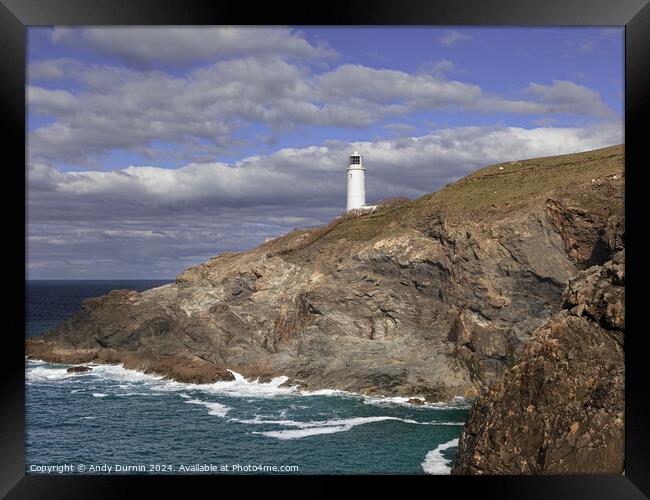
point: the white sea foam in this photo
(328, 392)
(125, 394)
(305, 429)
(457, 403)
(354, 421)
(214, 408)
(239, 387)
(247, 388)
(238, 376)
(120, 374)
(132, 379)
(35, 361)
(435, 463)
(44, 374)
(386, 400)
(301, 433)
(99, 394)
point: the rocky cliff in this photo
(434, 297)
(560, 408)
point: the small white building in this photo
(357, 185)
(356, 182)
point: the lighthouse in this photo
(356, 182)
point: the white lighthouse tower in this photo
(356, 182)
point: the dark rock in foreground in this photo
(559, 410)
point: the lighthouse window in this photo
(356, 160)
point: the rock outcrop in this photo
(430, 298)
(560, 409)
(79, 369)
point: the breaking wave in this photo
(305, 429)
(214, 408)
(435, 463)
(135, 383)
(239, 387)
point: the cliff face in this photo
(559, 410)
(434, 297)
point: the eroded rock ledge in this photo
(559, 410)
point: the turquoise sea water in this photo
(138, 423)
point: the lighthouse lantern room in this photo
(356, 182)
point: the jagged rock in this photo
(416, 401)
(79, 369)
(434, 297)
(560, 409)
(599, 292)
(577, 310)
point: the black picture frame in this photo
(17, 15)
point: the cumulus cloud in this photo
(312, 175)
(142, 45)
(438, 68)
(53, 69)
(206, 110)
(568, 97)
(382, 85)
(150, 221)
(400, 129)
(452, 37)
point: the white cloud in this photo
(53, 69)
(204, 111)
(302, 176)
(181, 45)
(568, 97)
(452, 37)
(381, 85)
(400, 129)
(438, 68)
(51, 102)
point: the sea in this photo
(112, 420)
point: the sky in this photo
(151, 149)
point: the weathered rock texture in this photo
(79, 369)
(430, 298)
(559, 410)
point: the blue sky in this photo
(175, 144)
